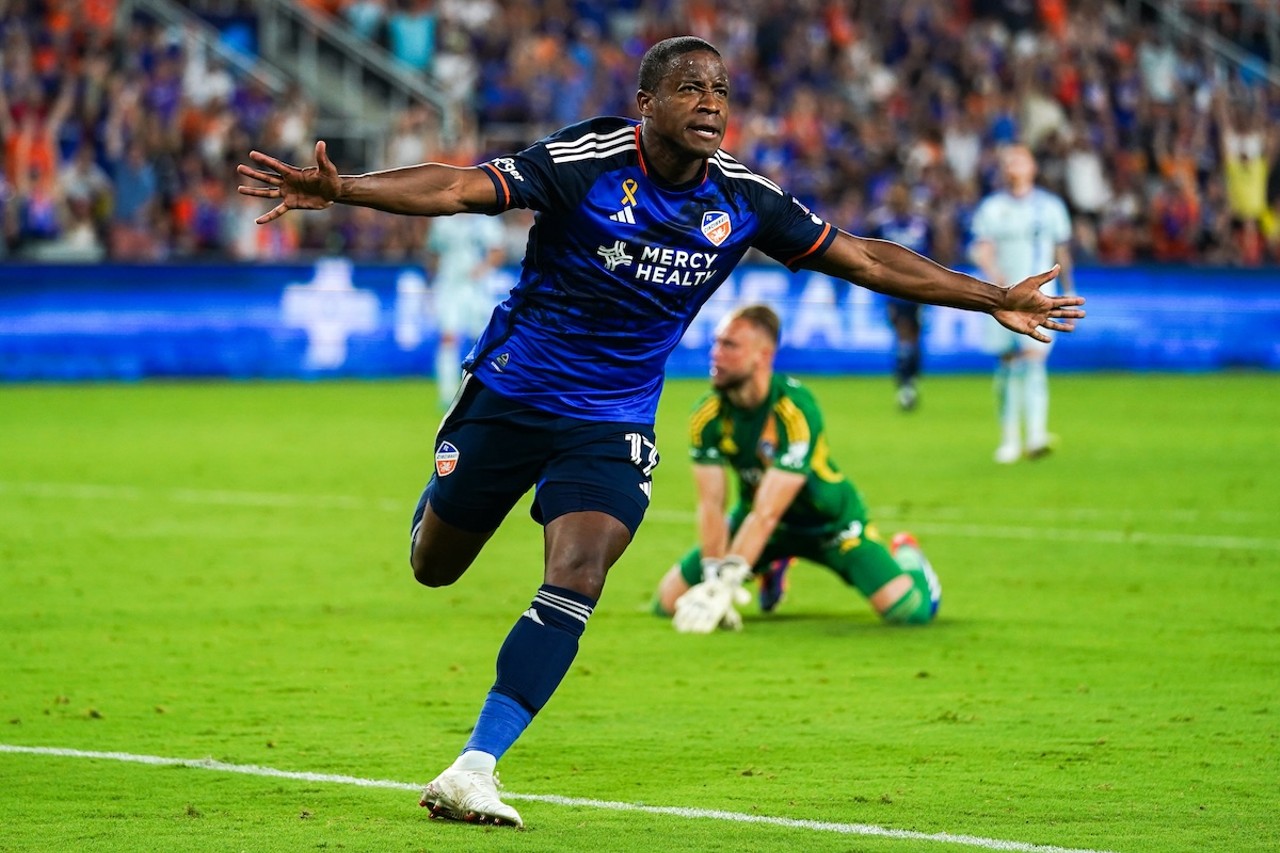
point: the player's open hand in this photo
(309, 188)
(1028, 310)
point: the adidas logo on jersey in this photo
(624, 215)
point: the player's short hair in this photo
(762, 317)
(658, 59)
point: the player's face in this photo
(739, 352)
(899, 199)
(690, 108)
(1019, 169)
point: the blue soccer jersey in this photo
(618, 264)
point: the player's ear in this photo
(644, 103)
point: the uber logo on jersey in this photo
(508, 165)
(813, 217)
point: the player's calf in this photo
(914, 596)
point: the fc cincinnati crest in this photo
(446, 459)
(716, 226)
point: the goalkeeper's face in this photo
(741, 352)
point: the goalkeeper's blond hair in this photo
(762, 317)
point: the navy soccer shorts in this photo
(491, 450)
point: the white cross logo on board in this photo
(330, 309)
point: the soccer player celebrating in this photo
(637, 224)
(792, 499)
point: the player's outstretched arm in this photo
(896, 270)
(428, 189)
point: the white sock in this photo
(448, 370)
(1009, 390)
(1037, 403)
(474, 759)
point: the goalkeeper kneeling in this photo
(792, 500)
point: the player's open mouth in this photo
(705, 131)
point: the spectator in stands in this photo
(1158, 64)
(882, 101)
(411, 32)
(137, 196)
(367, 18)
(1175, 222)
(1245, 162)
(291, 124)
(414, 138)
(1087, 189)
(82, 179)
(205, 77)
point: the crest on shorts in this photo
(716, 226)
(446, 459)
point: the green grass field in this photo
(194, 571)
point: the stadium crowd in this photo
(120, 138)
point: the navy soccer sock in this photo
(531, 664)
(906, 364)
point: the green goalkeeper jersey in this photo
(784, 432)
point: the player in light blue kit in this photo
(637, 224)
(465, 253)
(1018, 230)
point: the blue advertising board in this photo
(335, 318)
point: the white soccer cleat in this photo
(1007, 454)
(470, 796)
(908, 397)
(1040, 451)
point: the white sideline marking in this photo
(920, 523)
(552, 799)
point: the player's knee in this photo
(423, 574)
(436, 564)
(580, 549)
(576, 565)
(441, 552)
(430, 572)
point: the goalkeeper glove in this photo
(710, 604)
(734, 572)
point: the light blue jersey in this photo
(1026, 232)
(461, 244)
